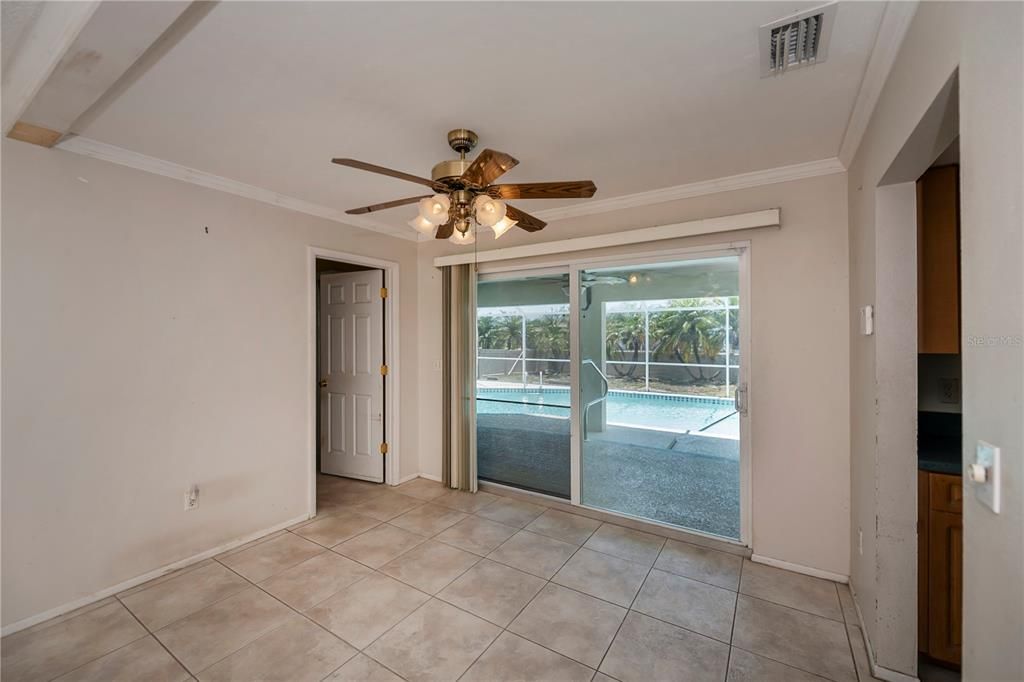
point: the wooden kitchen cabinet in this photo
(940, 566)
(938, 261)
(922, 561)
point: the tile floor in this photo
(421, 583)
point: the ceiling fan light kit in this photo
(463, 193)
(463, 238)
(435, 209)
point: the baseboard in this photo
(798, 568)
(431, 477)
(145, 577)
(877, 671)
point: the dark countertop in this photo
(939, 454)
(939, 443)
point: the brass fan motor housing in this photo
(452, 168)
(462, 140)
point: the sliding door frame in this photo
(740, 249)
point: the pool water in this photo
(709, 416)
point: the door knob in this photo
(323, 383)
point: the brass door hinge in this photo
(383, 448)
(383, 292)
(384, 370)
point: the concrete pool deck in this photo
(686, 480)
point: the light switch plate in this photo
(987, 455)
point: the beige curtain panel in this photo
(459, 371)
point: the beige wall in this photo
(799, 345)
(141, 355)
(984, 41)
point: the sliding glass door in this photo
(620, 386)
(523, 377)
(659, 365)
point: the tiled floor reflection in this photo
(420, 583)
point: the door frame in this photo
(740, 248)
(392, 383)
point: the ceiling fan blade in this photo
(524, 219)
(570, 189)
(362, 165)
(488, 167)
(387, 204)
(446, 230)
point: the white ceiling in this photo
(634, 96)
(16, 17)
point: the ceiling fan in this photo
(463, 193)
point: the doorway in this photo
(913, 329)
(620, 385)
(354, 370)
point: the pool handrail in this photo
(595, 401)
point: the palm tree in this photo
(486, 332)
(694, 336)
(548, 336)
(624, 333)
(510, 330)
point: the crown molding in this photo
(891, 32)
(729, 183)
(124, 157)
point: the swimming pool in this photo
(678, 414)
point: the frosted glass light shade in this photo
(462, 238)
(435, 209)
(422, 225)
(489, 211)
(503, 226)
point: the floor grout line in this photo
(783, 663)
(152, 634)
(630, 607)
(846, 629)
(791, 608)
(735, 614)
(288, 606)
(103, 655)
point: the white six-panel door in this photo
(352, 355)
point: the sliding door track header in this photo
(742, 221)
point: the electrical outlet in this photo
(192, 498)
(867, 320)
(860, 541)
(949, 390)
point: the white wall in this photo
(799, 348)
(141, 355)
(984, 41)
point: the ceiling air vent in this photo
(798, 40)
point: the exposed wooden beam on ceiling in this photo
(48, 39)
(173, 32)
(26, 132)
(117, 44)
